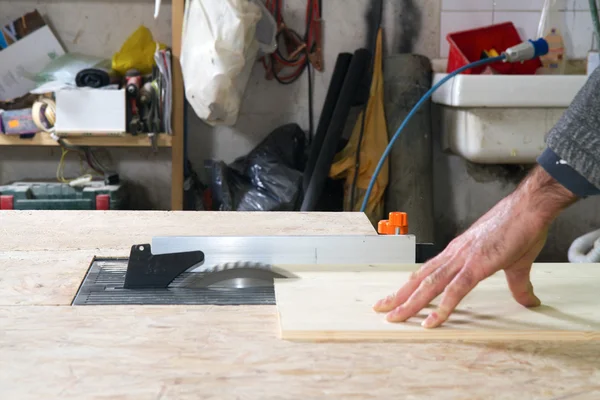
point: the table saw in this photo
(60, 350)
(236, 270)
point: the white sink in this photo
(502, 119)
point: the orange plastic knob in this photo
(383, 227)
(398, 219)
(398, 223)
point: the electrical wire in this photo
(95, 164)
(43, 114)
(310, 105)
(412, 113)
(86, 153)
(61, 169)
(595, 20)
(306, 43)
(301, 61)
(309, 21)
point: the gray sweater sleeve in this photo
(576, 136)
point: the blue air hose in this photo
(412, 113)
(521, 52)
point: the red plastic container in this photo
(467, 47)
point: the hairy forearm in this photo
(542, 195)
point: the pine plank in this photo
(43, 139)
(337, 306)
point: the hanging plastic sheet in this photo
(220, 45)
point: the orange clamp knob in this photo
(399, 223)
(383, 227)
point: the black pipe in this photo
(356, 72)
(333, 93)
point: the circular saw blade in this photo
(238, 275)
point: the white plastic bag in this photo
(219, 49)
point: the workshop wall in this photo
(463, 191)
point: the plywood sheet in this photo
(114, 232)
(41, 277)
(337, 305)
(222, 353)
(47, 268)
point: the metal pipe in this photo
(358, 67)
(333, 94)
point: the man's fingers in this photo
(460, 286)
(428, 290)
(519, 283)
(394, 300)
(519, 280)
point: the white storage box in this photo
(91, 111)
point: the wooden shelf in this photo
(175, 141)
(43, 139)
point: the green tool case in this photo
(61, 196)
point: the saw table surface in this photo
(49, 349)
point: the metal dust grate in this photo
(103, 285)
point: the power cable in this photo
(300, 61)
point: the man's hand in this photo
(509, 237)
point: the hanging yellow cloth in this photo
(374, 142)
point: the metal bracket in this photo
(237, 257)
(288, 250)
(147, 270)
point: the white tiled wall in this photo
(460, 15)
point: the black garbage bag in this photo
(269, 178)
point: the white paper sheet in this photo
(21, 61)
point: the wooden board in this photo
(338, 306)
(41, 278)
(112, 233)
(43, 139)
(178, 114)
(222, 353)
